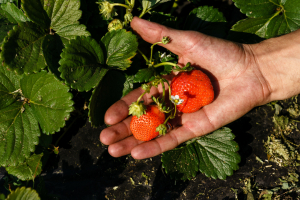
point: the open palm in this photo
(237, 79)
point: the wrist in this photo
(278, 59)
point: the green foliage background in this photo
(54, 51)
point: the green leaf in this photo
(165, 19)
(22, 49)
(13, 13)
(150, 4)
(5, 25)
(166, 70)
(207, 20)
(24, 194)
(69, 32)
(49, 100)
(4, 28)
(82, 63)
(28, 170)
(2, 196)
(144, 75)
(19, 133)
(182, 163)
(6, 1)
(19, 129)
(9, 82)
(34, 10)
(52, 48)
(218, 152)
(128, 85)
(121, 46)
(163, 57)
(215, 155)
(109, 90)
(268, 18)
(60, 15)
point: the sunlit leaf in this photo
(82, 63)
(22, 48)
(207, 20)
(268, 18)
(215, 155)
(24, 194)
(49, 100)
(19, 129)
(121, 46)
(13, 13)
(60, 15)
(27, 170)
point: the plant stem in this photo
(120, 4)
(165, 63)
(146, 59)
(132, 3)
(144, 12)
(164, 90)
(141, 97)
(141, 15)
(167, 120)
(175, 108)
(152, 50)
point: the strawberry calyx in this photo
(161, 105)
(162, 129)
(186, 68)
(166, 40)
(137, 109)
(146, 87)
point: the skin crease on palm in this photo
(243, 76)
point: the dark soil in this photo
(83, 169)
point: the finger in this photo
(193, 125)
(174, 138)
(123, 147)
(225, 109)
(218, 56)
(116, 132)
(162, 144)
(119, 110)
(153, 32)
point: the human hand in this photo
(238, 78)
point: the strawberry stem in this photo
(152, 50)
(165, 63)
(169, 117)
(122, 5)
(164, 91)
(175, 108)
(141, 96)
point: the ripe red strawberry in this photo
(144, 127)
(194, 90)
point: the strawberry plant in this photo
(54, 53)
